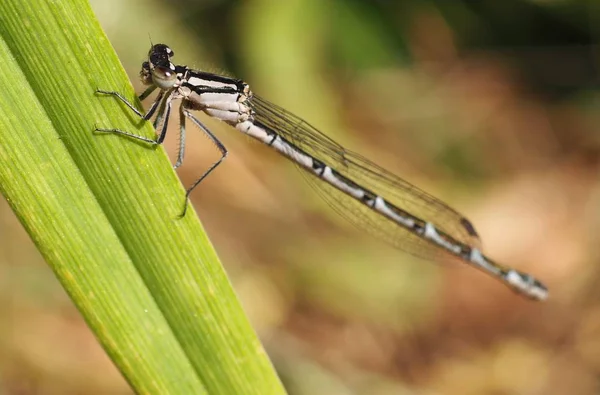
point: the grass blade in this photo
(103, 212)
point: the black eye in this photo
(161, 51)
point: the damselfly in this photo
(361, 191)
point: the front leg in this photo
(144, 95)
(164, 110)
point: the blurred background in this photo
(490, 105)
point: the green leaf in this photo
(103, 212)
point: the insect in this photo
(361, 191)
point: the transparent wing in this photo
(369, 176)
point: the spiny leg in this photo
(162, 103)
(166, 111)
(144, 95)
(215, 141)
(181, 151)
